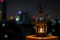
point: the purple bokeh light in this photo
(19, 12)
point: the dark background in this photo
(14, 30)
(52, 7)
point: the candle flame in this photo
(41, 30)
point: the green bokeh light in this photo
(34, 27)
(49, 34)
(53, 23)
(53, 30)
(3, 24)
(17, 16)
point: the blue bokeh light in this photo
(19, 12)
(58, 21)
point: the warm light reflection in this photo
(41, 30)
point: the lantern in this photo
(41, 25)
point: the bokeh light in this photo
(53, 22)
(49, 34)
(19, 12)
(34, 27)
(2, 1)
(58, 21)
(0, 12)
(33, 17)
(40, 18)
(11, 17)
(6, 36)
(17, 18)
(3, 25)
(0, 15)
(53, 30)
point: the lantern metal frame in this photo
(41, 26)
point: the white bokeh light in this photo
(6, 36)
(41, 18)
(3, 25)
(17, 19)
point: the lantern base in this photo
(33, 37)
(41, 35)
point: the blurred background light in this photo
(0, 15)
(3, 25)
(49, 34)
(19, 22)
(53, 22)
(33, 17)
(6, 36)
(34, 27)
(40, 18)
(53, 30)
(0, 12)
(58, 20)
(19, 12)
(17, 16)
(17, 19)
(11, 17)
(2, 1)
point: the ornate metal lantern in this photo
(41, 25)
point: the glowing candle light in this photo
(41, 30)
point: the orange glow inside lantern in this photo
(41, 29)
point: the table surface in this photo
(48, 37)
